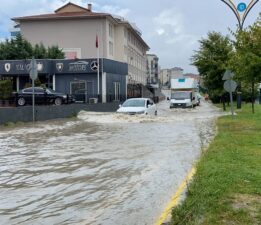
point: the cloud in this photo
(115, 10)
(169, 20)
(175, 43)
(160, 31)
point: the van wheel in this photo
(21, 101)
(58, 101)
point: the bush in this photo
(6, 89)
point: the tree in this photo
(20, 48)
(246, 61)
(211, 61)
(55, 52)
(17, 48)
(40, 51)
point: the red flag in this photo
(97, 42)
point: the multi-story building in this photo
(152, 69)
(167, 74)
(176, 72)
(82, 33)
(164, 77)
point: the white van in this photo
(183, 93)
(183, 99)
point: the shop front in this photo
(77, 77)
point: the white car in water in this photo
(143, 106)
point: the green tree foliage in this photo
(211, 61)
(55, 53)
(247, 58)
(19, 48)
(40, 51)
(5, 89)
(246, 62)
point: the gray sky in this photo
(171, 28)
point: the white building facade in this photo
(78, 31)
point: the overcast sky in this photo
(171, 28)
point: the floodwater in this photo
(100, 168)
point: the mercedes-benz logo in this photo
(94, 65)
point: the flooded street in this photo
(101, 168)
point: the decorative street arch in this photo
(240, 10)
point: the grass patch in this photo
(227, 186)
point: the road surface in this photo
(99, 168)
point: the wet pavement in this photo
(100, 168)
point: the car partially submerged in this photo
(142, 106)
(42, 96)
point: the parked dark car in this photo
(42, 96)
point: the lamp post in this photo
(241, 11)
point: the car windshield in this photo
(180, 95)
(134, 103)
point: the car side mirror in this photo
(167, 98)
(120, 105)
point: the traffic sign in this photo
(230, 85)
(228, 75)
(33, 69)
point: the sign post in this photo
(230, 86)
(33, 76)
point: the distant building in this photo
(152, 69)
(82, 33)
(14, 31)
(164, 77)
(176, 72)
(167, 74)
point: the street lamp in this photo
(241, 10)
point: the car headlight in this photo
(64, 96)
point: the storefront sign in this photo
(22, 66)
(80, 66)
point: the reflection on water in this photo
(102, 168)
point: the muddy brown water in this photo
(101, 168)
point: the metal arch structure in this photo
(240, 19)
(250, 6)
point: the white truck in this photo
(184, 93)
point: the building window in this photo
(111, 48)
(111, 30)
